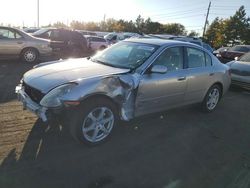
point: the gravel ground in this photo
(180, 148)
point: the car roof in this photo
(4, 27)
(242, 45)
(158, 42)
(93, 36)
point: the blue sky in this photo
(189, 13)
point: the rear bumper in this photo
(31, 105)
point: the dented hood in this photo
(47, 77)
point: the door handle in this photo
(211, 74)
(181, 78)
(19, 42)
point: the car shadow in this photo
(177, 148)
(51, 158)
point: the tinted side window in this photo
(101, 40)
(196, 58)
(54, 35)
(172, 58)
(8, 34)
(244, 49)
(94, 39)
(208, 60)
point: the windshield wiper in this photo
(108, 64)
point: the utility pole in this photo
(38, 13)
(205, 25)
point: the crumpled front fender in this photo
(121, 89)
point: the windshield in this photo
(41, 31)
(208, 47)
(245, 57)
(125, 55)
(109, 36)
(240, 49)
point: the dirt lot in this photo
(180, 148)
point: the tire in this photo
(212, 98)
(29, 55)
(76, 52)
(93, 123)
(102, 47)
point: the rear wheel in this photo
(211, 99)
(94, 123)
(29, 55)
(102, 47)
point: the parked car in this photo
(31, 30)
(96, 43)
(232, 53)
(112, 38)
(240, 71)
(220, 50)
(129, 79)
(15, 44)
(84, 32)
(65, 43)
(193, 40)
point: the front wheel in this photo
(95, 123)
(211, 99)
(29, 55)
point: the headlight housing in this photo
(53, 98)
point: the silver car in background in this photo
(240, 71)
(129, 79)
(15, 43)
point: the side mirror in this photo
(159, 69)
(236, 58)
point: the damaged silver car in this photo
(131, 78)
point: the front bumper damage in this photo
(30, 105)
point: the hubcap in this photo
(98, 124)
(29, 56)
(213, 98)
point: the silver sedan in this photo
(131, 78)
(240, 71)
(15, 43)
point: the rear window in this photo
(208, 60)
(196, 58)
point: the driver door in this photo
(160, 91)
(11, 43)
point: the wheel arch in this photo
(218, 83)
(29, 47)
(103, 96)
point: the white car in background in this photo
(96, 43)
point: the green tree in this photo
(60, 25)
(139, 23)
(215, 33)
(77, 25)
(151, 27)
(174, 29)
(110, 24)
(193, 34)
(237, 28)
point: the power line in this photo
(177, 12)
(180, 14)
(165, 17)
